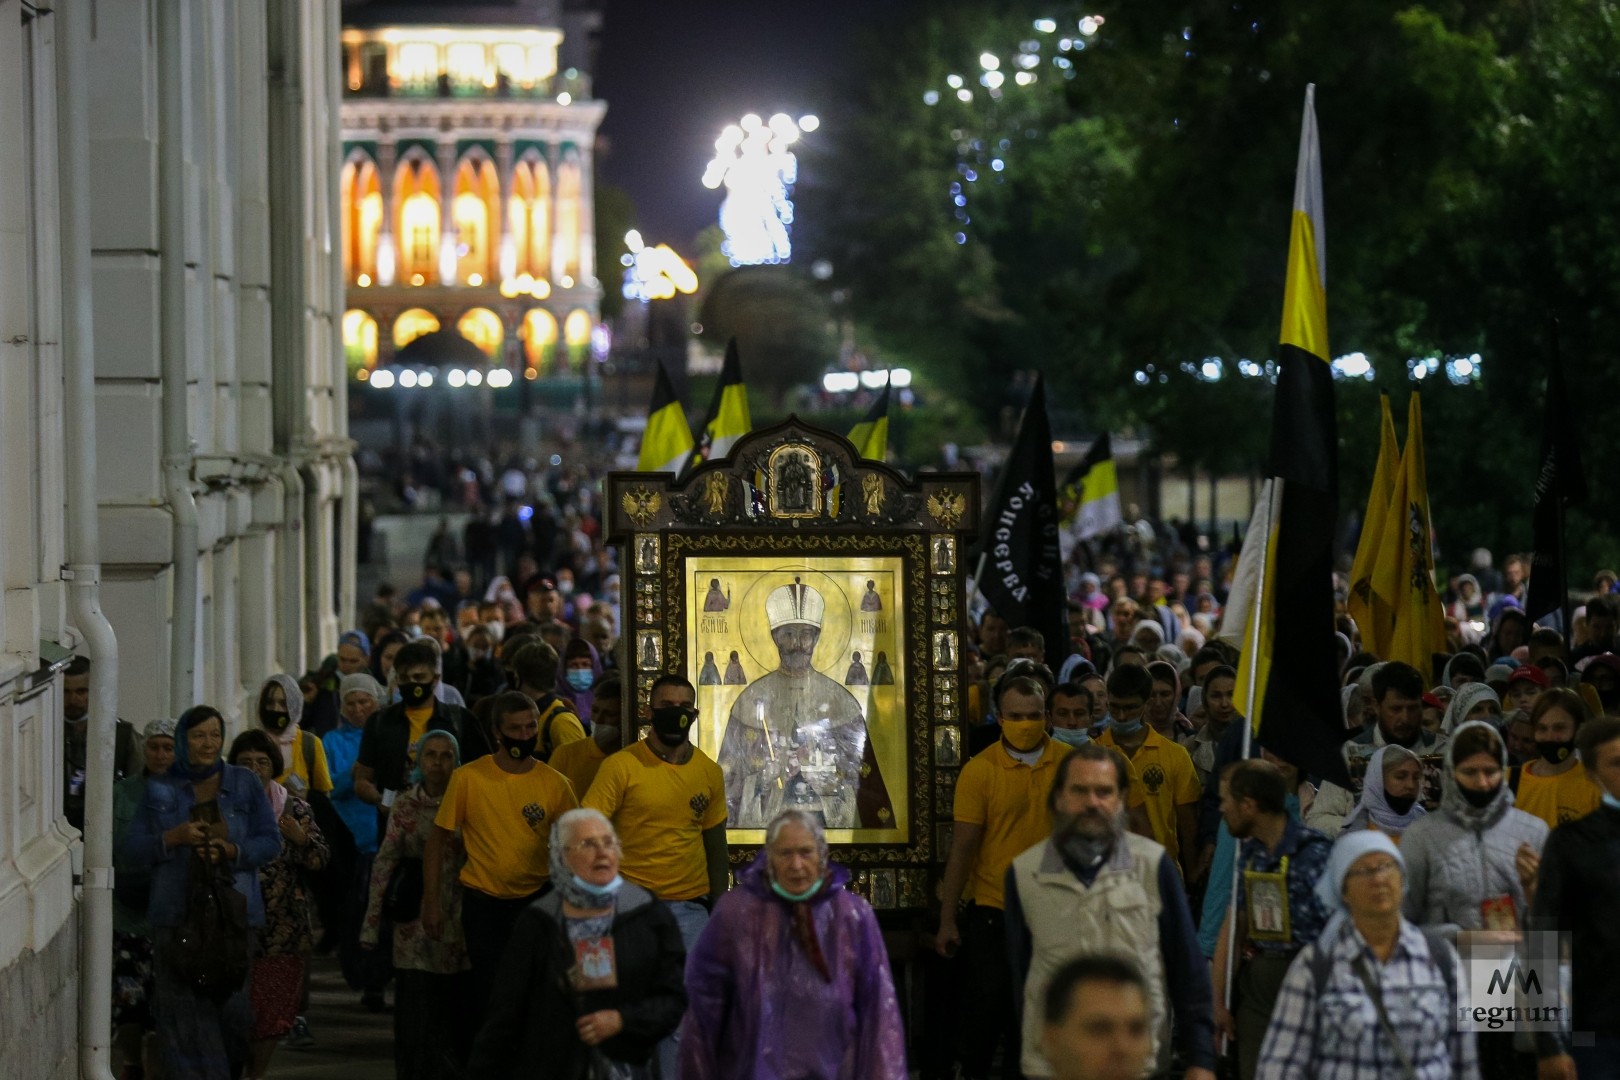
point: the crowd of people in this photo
(466, 808)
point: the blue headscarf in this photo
(188, 720)
(1346, 850)
(455, 748)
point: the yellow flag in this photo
(871, 435)
(667, 442)
(1375, 620)
(1403, 577)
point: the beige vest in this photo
(1118, 915)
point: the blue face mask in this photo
(1611, 801)
(580, 678)
(1071, 736)
(601, 892)
(1123, 727)
(796, 897)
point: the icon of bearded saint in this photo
(796, 739)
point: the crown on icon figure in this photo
(795, 605)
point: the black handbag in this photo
(402, 897)
(211, 950)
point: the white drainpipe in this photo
(172, 291)
(83, 537)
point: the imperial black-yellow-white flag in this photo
(728, 418)
(667, 442)
(1089, 495)
(1288, 679)
(871, 435)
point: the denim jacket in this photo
(245, 810)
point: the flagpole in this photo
(1257, 612)
(1566, 610)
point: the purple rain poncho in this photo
(759, 1007)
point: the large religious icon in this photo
(808, 731)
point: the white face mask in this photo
(497, 630)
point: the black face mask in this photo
(1401, 804)
(672, 723)
(414, 694)
(519, 749)
(273, 720)
(1554, 753)
(1479, 800)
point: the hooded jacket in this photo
(761, 1009)
(1460, 856)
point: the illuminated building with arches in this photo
(466, 184)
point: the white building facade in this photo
(173, 415)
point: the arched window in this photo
(517, 216)
(539, 339)
(416, 194)
(568, 188)
(539, 212)
(483, 328)
(361, 217)
(476, 211)
(413, 324)
(359, 343)
(577, 333)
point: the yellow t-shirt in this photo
(564, 728)
(1557, 799)
(661, 812)
(1008, 798)
(419, 718)
(505, 821)
(579, 761)
(297, 766)
(1163, 772)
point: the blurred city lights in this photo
(655, 273)
(755, 163)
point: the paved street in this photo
(350, 1043)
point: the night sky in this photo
(674, 72)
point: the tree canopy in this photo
(1108, 201)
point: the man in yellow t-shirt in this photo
(535, 666)
(579, 760)
(503, 805)
(1164, 768)
(667, 801)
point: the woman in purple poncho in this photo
(790, 980)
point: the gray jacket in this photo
(1459, 856)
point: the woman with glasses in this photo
(1375, 996)
(591, 980)
(431, 1036)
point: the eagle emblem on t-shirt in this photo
(1153, 779)
(699, 803)
(534, 814)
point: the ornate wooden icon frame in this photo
(861, 509)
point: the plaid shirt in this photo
(1338, 1036)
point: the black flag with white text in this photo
(1022, 576)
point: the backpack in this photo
(1439, 950)
(211, 949)
(558, 707)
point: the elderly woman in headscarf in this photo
(282, 949)
(1325, 1024)
(790, 977)
(431, 1036)
(204, 819)
(592, 976)
(132, 936)
(1162, 714)
(1471, 865)
(1389, 795)
(1473, 701)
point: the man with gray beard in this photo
(1094, 888)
